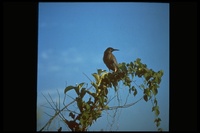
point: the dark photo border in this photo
(20, 38)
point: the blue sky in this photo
(72, 38)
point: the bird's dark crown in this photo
(110, 49)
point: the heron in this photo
(110, 60)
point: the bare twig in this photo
(48, 101)
(58, 99)
(56, 113)
(53, 103)
(124, 106)
(87, 77)
(46, 107)
(48, 114)
(70, 96)
(110, 100)
(126, 99)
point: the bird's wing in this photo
(114, 60)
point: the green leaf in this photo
(95, 85)
(139, 72)
(155, 101)
(145, 98)
(80, 85)
(105, 91)
(82, 92)
(100, 71)
(156, 110)
(154, 90)
(138, 60)
(106, 107)
(69, 88)
(149, 83)
(133, 88)
(147, 76)
(158, 124)
(147, 92)
(160, 73)
(123, 67)
(135, 92)
(96, 76)
(156, 80)
(75, 88)
(104, 75)
(157, 120)
(87, 106)
(153, 108)
(101, 100)
(82, 121)
(90, 93)
(79, 104)
(131, 64)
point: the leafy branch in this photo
(90, 110)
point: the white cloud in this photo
(57, 61)
(46, 54)
(71, 55)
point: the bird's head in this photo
(110, 49)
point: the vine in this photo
(90, 110)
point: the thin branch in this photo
(64, 100)
(87, 77)
(137, 85)
(58, 99)
(110, 100)
(89, 88)
(126, 99)
(48, 114)
(52, 101)
(48, 101)
(113, 120)
(124, 106)
(70, 97)
(56, 113)
(49, 122)
(47, 107)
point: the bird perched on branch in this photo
(110, 60)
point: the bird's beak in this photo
(115, 49)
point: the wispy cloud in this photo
(46, 54)
(54, 61)
(71, 55)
